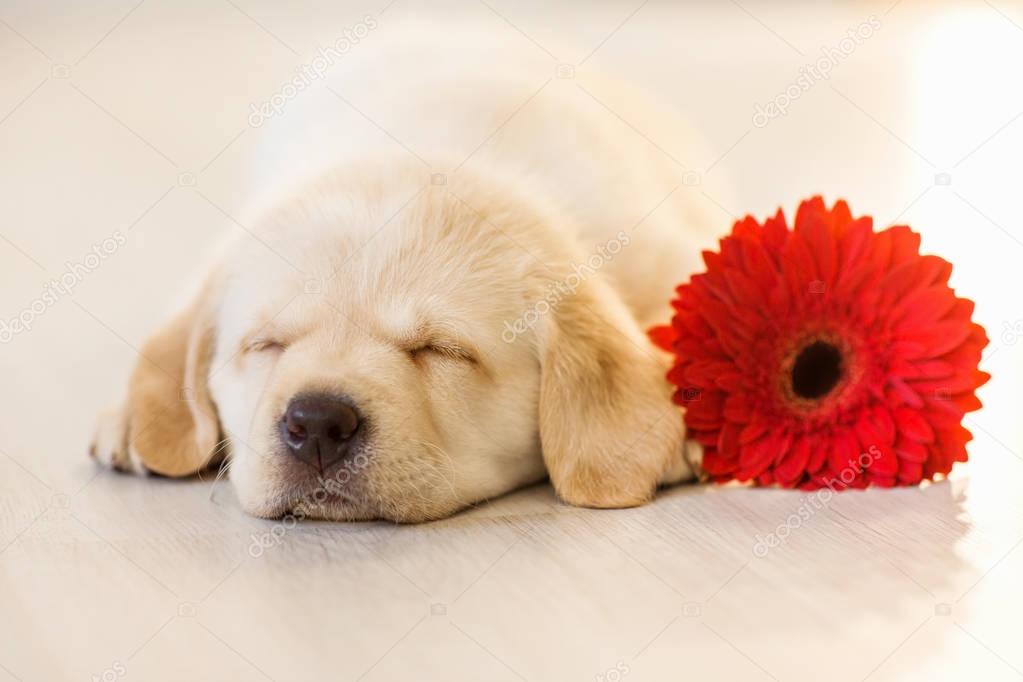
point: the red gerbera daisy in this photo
(825, 355)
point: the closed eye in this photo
(264, 345)
(452, 351)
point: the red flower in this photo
(826, 355)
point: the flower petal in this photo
(912, 425)
(792, 464)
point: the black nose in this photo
(318, 429)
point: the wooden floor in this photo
(132, 117)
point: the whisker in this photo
(451, 464)
(225, 466)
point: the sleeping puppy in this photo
(403, 334)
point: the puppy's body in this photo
(477, 298)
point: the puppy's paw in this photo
(693, 453)
(110, 446)
(688, 467)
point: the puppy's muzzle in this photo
(320, 429)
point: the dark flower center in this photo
(817, 370)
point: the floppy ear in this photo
(172, 424)
(608, 429)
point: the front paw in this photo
(688, 467)
(693, 453)
(110, 444)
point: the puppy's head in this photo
(391, 349)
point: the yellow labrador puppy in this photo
(421, 325)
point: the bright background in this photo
(133, 117)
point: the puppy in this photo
(411, 331)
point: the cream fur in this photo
(544, 368)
